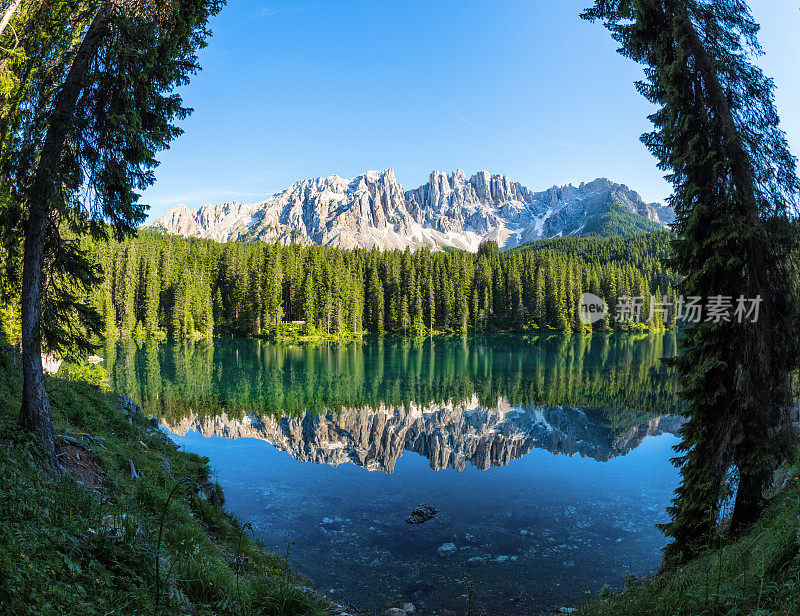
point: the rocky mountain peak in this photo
(450, 210)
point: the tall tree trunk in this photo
(741, 165)
(749, 501)
(8, 15)
(35, 413)
(759, 342)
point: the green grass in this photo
(306, 332)
(757, 574)
(66, 550)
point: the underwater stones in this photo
(505, 558)
(395, 611)
(409, 608)
(421, 513)
(420, 586)
(446, 549)
(475, 561)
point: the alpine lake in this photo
(546, 457)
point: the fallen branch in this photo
(134, 474)
(72, 441)
(95, 439)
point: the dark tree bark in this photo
(760, 344)
(36, 414)
(8, 14)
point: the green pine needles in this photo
(157, 285)
(716, 133)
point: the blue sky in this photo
(300, 89)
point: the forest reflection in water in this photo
(484, 400)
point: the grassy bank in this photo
(113, 544)
(302, 332)
(758, 574)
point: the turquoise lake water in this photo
(547, 458)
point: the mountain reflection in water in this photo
(448, 436)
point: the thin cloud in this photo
(467, 121)
(266, 12)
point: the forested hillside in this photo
(619, 221)
(158, 284)
(181, 286)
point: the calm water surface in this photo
(547, 458)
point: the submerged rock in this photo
(421, 513)
(409, 608)
(394, 611)
(420, 587)
(446, 549)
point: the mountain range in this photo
(450, 211)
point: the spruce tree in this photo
(109, 310)
(309, 300)
(717, 135)
(405, 318)
(418, 318)
(431, 297)
(129, 280)
(79, 142)
(151, 296)
(539, 305)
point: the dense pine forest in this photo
(155, 284)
